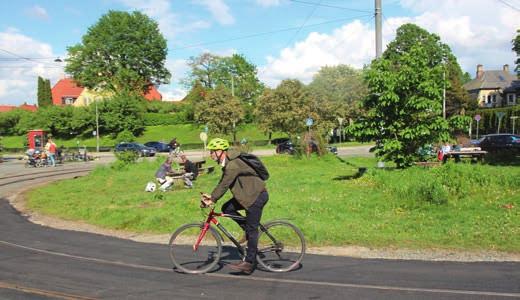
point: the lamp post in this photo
(97, 127)
(340, 120)
(514, 118)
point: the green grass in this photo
(460, 206)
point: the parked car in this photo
(503, 142)
(286, 146)
(158, 146)
(141, 149)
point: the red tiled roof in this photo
(29, 107)
(66, 87)
(25, 106)
(152, 94)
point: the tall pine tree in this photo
(44, 92)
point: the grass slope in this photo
(460, 206)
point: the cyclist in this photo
(249, 194)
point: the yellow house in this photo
(88, 96)
(492, 88)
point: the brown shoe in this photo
(243, 266)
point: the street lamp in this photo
(514, 118)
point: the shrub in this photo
(124, 159)
(125, 136)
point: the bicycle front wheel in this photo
(191, 258)
(281, 246)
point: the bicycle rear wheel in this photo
(281, 247)
(190, 260)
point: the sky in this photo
(283, 38)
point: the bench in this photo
(457, 155)
(427, 163)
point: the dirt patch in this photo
(18, 202)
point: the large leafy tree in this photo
(219, 111)
(285, 108)
(234, 72)
(404, 106)
(340, 84)
(516, 48)
(121, 52)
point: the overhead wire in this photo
(509, 5)
(267, 33)
(303, 24)
(28, 59)
(330, 6)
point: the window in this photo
(68, 100)
(488, 99)
(494, 98)
(511, 98)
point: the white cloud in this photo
(219, 10)
(478, 32)
(37, 12)
(170, 23)
(19, 77)
(268, 3)
(351, 44)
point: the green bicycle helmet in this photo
(218, 144)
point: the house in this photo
(494, 88)
(25, 106)
(67, 92)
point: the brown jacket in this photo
(241, 179)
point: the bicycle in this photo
(196, 248)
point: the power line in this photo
(26, 58)
(267, 33)
(508, 4)
(303, 24)
(330, 6)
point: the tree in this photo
(44, 94)
(285, 108)
(121, 52)
(516, 48)
(121, 112)
(341, 84)
(219, 111)
(234, 72)
(404, 106)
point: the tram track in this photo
(4, 181)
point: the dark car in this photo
(286, 146)
(503, 142)
(141, 149)
(158, 146)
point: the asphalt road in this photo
(38, 262)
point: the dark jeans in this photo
(251, 223)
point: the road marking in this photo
(59, 295)
(277, 280)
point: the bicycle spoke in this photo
(282, 249)
(190, 260)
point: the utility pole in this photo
(379, 36)
(444, 92)
(97, 127)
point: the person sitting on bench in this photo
(191, 171)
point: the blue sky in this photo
(283, 38)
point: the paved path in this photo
(38, 262)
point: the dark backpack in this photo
(254, 162)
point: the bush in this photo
(124, 159)
(125, 136)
